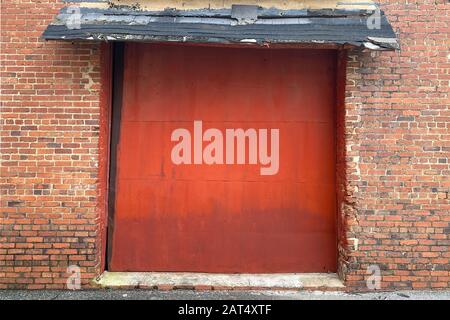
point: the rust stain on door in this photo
(226, 217)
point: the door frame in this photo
(110, 95)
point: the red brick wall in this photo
(396, 152)
(49, 150)
(397, 127)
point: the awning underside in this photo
(239, 24)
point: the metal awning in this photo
(353, 23)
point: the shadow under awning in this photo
(366, 26)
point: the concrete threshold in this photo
(213, 281)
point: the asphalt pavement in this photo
(140, 294)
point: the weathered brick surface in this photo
(396, 160)
(49, 142)
(397, 127)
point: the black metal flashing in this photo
(239, 24)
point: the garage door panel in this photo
(149, 152)
(220, 104)
(229, 202)
(226, 253)
(230, 87)
(185, 218)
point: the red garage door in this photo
(226, 161)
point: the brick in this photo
(165, 287)
(40, 89)
(396, 157)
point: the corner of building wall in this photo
(341, 184)
(347, 164)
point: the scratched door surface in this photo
(225, 217)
